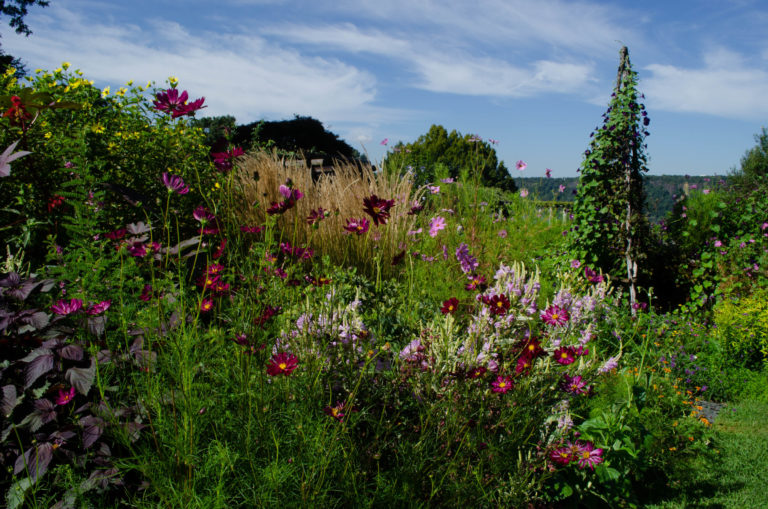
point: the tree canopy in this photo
(17, 10)
(300, 135)
(457, 152)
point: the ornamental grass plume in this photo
(340, 194)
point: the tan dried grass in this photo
(260, 174)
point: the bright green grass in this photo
(738, 475)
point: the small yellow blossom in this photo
(38, 71)
(129, 83)
(47, 136)
(105, 92)
(65, 65)
(173, 80)
(57, 70)
(121, 91)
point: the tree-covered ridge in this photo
(661, 191)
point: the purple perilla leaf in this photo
(41, 364)
(35, 460)
(81, 378)
(9, 400)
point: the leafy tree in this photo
(458, 153)
(754, 165)
(217, 130)
(300, 135)
(16, 10)
(608, 211)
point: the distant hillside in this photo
(660, 190)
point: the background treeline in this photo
(661, 191)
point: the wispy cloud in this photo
(245, 75)
(727, 86)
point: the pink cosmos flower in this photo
(203, 215)
(521, 165)
(575, 264)
(206, 305)
(384, 142)
(97, 309)
(718, 243)
(65, 308)
(224, 160)
(548, 173)
(523, 193)
(357, 226)
(174, 183)
(503, 234)
(282, 363)
(560, 188)
(434, 189)
(588, 455)
(437, 224)
(502, 384)
(65, 397)
(555, 316)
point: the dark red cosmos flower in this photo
(316, 216)
(117, 234)
(175, 104)
(282, 363)
(54, 201)
(398, 257)
(266, 315)
(499, 304)
(477, 372)
(17, 113)
(223, 160)
(251, 229)
(146, 293)
(450, 306)
(98, 308)
(377, 208)
(416, 208)
(592, 276)
(532, 348)
(337, 411)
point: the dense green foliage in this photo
(458, 154)
(608, 211)
(174, 352)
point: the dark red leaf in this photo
(81, 378)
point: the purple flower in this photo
(65, 308)
(468, 262)
(560, 188)
(223, 160)
(174, 183)
(357, 226)
(548, 173)
(521, 165)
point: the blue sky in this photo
(534, 74)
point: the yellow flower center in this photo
(502, 385)
(376, 210)
(335, 412)
(282, 365)
(585, 455)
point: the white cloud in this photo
(726, 86)
(244, 75)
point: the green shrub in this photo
(742, 328)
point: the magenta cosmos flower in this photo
(573, 385)
(174, 183)
(555, 315)
(282, 363)
(502, 384)
(588, 455)
(561, 455)
(316, 216)
(357, 226)
(175, 104)
(521, 165)
(99, 308)
(377, 208)
(565, 355)
(203, 215)
(65, 397)
(65, 308)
